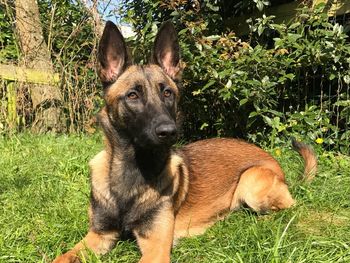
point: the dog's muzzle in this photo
(166, 131)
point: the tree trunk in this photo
(46, 99)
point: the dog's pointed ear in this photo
(112, 54)
(166, 50)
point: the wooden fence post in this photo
(14, 74)
(11, 105)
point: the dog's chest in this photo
(132, 203)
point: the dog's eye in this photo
(132, 95)
(167, 93)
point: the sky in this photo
(110, 10)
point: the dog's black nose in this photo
(165, 131)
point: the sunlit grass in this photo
(44, 193)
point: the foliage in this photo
(73, 43)
(281, 80)
(8, 46)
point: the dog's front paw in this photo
(67, 258)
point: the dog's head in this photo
(141, 100)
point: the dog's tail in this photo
(310, 159)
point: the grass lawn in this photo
(44, 193)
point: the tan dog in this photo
(140, 185)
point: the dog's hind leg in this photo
(99, 243)
(262, 189)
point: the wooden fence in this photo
(13, 74)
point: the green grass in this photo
(44, 192)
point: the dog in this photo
(141, 185)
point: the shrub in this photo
(283, 80)
(279, 81)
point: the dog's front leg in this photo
(99, 243)
(155, 239)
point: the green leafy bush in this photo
(279, 81)
(284, 80)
